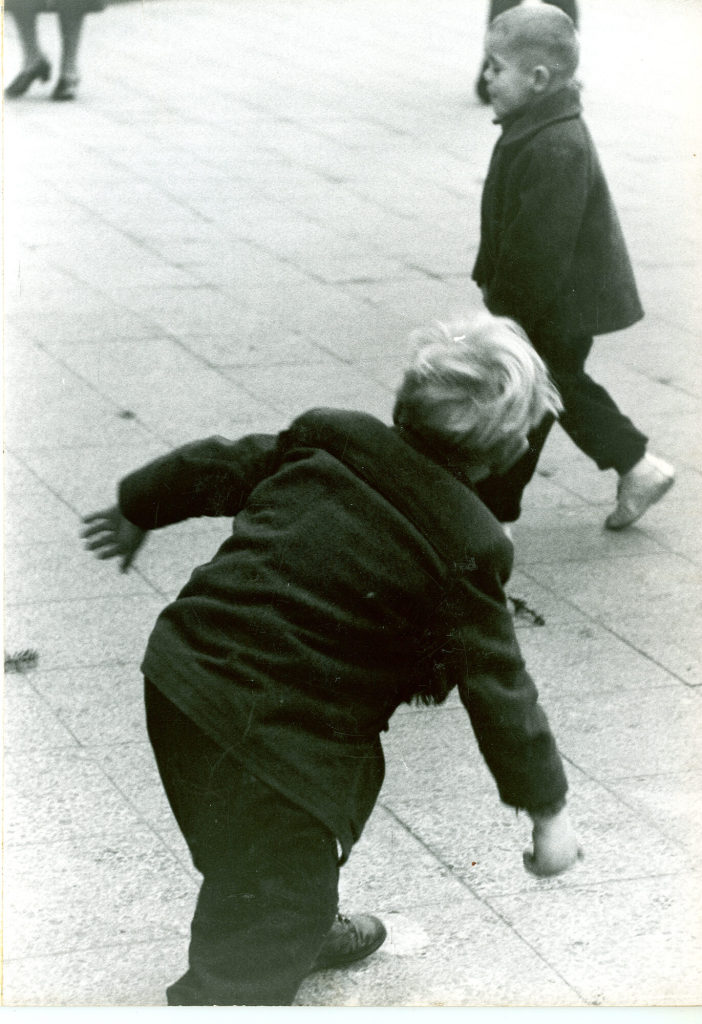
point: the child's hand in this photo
(110, 535)
(556, 847)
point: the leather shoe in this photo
(66, 88)
(19, 85)
(350, 939)
(638, 489)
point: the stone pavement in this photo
(244, 214)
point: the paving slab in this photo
(656, 965)
(455, 811)
(672, 641)
(442, 913)
(118, 974)
(602, 740)
(29, 723)
(666, 799)
(60, 794)
(84, 477)
(100, 705)
(39, 573)
(563, 533)
(583, 660)
(73, 633)
(206, 250)
(59, 901)
(33, 511)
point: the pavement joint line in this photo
(53, 712)
(478, 896)
(81, 950)
(148, 825)
(410, 102)
(607, 785)
(600, 621)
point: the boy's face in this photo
(510, 86)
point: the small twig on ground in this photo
(22, 661)
(523, 611)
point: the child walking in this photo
(552, 254)
(362, 571)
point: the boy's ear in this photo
(542, 77)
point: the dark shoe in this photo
(66, 88)
(19, 85)
(350, 939)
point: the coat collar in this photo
(557, 106)
(403, 475)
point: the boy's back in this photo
(357, 575)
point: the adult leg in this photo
(71, 25)
(34, 63)
(270, 871)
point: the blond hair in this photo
(474, 389)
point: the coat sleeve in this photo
(510, 725)
(213, 477)
(546, 199)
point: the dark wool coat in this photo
(359, 574)
(552, 255)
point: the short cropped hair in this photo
(472, 390)
(539, 33)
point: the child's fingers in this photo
(109, 552)
(126, 562)
(103, 513)
(100, 542)
(99, 526)
(106, 520)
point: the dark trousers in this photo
(590, 417)
(270, 871)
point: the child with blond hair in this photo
(552, 254)
(362, 571)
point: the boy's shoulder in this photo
(444, 508)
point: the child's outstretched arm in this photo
(206, 478)
(556, 846)
(110, 535)
(509, 723)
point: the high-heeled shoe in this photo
(66, 88)
(41, 69)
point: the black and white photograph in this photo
(352, 476)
